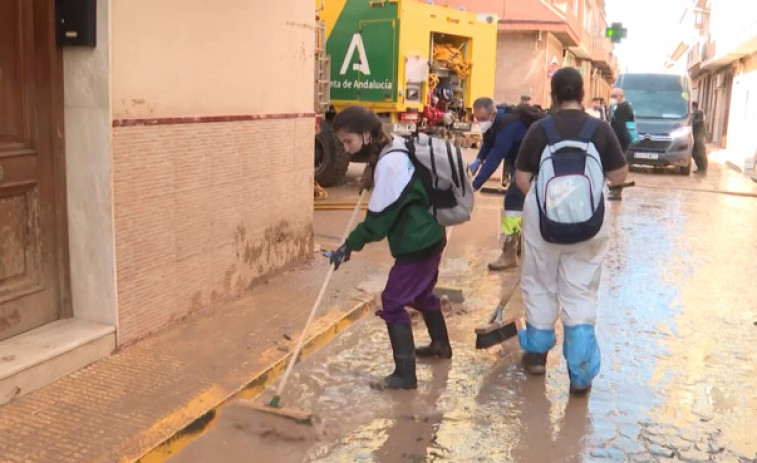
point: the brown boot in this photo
(508, 258)
(615, 194)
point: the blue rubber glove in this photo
(342, 254)
(473, 166)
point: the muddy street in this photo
(676, 328)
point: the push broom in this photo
(499, 328)
(274, 406)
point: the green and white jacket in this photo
(399, 210)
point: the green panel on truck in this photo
(363, 47)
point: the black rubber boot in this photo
(401, 337)
(437, 330)
(534, 363)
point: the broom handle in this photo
(509, 294)
(448, 233)
(325, 284)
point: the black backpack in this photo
(524, 113)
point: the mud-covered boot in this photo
(508, 258)
(535, 363)
(615, 194)
(401, 337)
(519, 244)
(437, 330)
(579, 391)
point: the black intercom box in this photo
(76, 22)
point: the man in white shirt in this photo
(596, 109)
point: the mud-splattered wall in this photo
(202, 210)
(213, 131)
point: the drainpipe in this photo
(547, 103)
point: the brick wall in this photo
(202, 210)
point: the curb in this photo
(192, 419)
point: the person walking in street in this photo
(562, 166)
(399, 211)
(699, 152)
(503, 133)
(621, 115)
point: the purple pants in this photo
(410, 285)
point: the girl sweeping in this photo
(399, 211)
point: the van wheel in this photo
(686, 170)
(331, 161)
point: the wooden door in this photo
(32, 212)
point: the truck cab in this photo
(661, 105)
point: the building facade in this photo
(720, 55)
(537, 37)
(158, 172)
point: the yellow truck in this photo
(419, 66)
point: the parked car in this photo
(661, 105)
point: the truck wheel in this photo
(686, 170)
(331, 161)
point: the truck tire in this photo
(331, 161)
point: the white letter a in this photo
(362, 64)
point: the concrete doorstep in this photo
(38, 357)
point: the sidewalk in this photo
(723, 177)
(118, 409)
(123, 407)
(735, 177)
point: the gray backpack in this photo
(442, 171)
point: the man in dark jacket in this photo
(621, 113)
(503, 132)
(699, 152)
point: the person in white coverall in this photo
(563, 277)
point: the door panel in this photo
(15, 70)
(29, 276)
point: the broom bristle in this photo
(495, 335)
(292, 414)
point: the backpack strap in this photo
(588, 129)
(410, 145)
(550, 130)
(409, 149)
(451, 161)
(434, 175)
(460, 165)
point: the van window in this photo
(656, 95)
